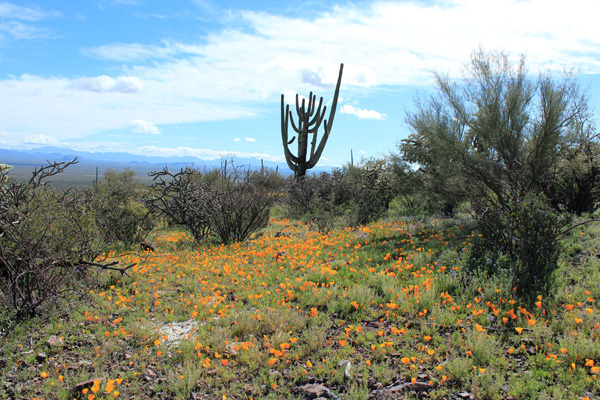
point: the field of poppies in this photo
(386, 310)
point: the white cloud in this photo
(250, 139)
(104, 83)
(142, 126)
(237, 139)
(16, 21)
(125, 52)
(240, 73)
(361, 112)
(40, 139)
(19, 30)
(13, 11)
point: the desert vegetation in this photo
(463, 265)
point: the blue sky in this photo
(204, 78)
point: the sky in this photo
(204, 78)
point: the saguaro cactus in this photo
(309, 121)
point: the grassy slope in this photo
(290, 306)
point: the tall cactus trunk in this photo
(309, 122)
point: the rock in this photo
(177, 331)
(346, 369)
(313, 390)
(41, 357)
(230, 348)
(54, 341)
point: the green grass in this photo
(264, 317)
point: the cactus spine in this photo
(309, 121)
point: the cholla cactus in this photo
(3, 171)
(309, 121)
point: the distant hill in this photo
(84, 172)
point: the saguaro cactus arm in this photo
(305, 126)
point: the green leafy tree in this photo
(498, 138)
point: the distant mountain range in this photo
(21, 157)
(25, 161)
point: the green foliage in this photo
(349, 196)
(573, 184)
(498, 139)
(268, 178)
(120, 211)
(526, 230)
(373, 190)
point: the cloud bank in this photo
(361, 112)
(240, 70)
(104, 83)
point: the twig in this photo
(110, 267)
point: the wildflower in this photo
(110, 385)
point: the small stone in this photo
(41, 357)
(313, 390)
(54, 341)
(230, 348)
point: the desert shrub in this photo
(47, 239)
(373, 190)
(527, 231)
(183, 198)
(120, 210)
(317, 199)
(238, 207)
(268, 178)
(224, 203)
(353, 195)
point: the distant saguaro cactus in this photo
(309, 121)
